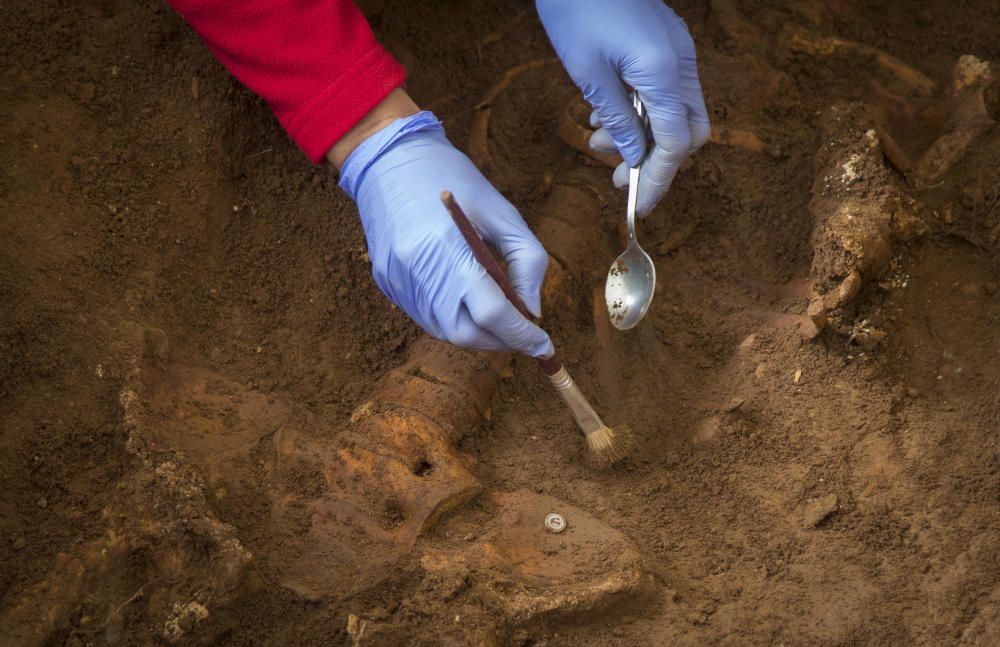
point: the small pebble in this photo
(733, 405)
(819, 509)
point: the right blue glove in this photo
(419, 258)
(645, 44)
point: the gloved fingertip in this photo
(651, 191)
(526, 270)
(544, 349)
(643, 208)
(533, 302)
(633, 154)
(601, 141)
(620, 176)
(701, 132)
(595, 120)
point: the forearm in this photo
(397, 105)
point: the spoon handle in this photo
(550, 366)
(633, 172)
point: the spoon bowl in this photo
(629, 288)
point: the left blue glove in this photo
(645, 44)
(419, 258)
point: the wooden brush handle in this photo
(551, 365)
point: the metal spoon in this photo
(632, 277)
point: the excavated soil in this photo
(181, 293)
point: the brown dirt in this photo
(184, 301)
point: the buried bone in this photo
(858, 210)
(801, 40)
(972, 82)
(578, 137)
(159, 526)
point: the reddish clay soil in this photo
(215, 430)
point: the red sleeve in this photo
(315, 62)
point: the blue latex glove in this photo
(645, 44)
(419, 258)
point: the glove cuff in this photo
(352, 173)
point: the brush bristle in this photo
(607, 446)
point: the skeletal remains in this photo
(392, 473)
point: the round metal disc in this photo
(555, 522)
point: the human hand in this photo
(420, 259)
(646, 45)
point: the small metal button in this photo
(555, 522)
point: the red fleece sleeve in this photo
(315, 62)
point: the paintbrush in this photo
(604, 444)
